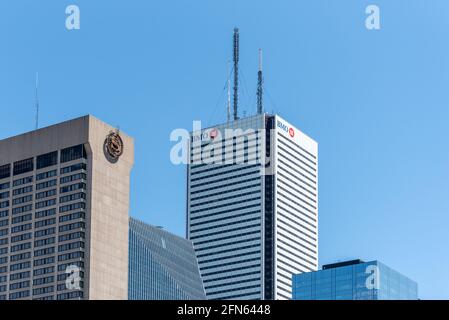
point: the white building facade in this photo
(252, 207)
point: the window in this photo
(46, 203)
(21, 256)
(44, 242)
(44, 252)
(20, 275)
(70, 246)
(46, 194)
(4, 195)
(72, 197)
(46, 184)
(44, 223)
(73, 177)
(41, 262)
(70, 295)
(4, 204)
(71, 255)
(73, 187)
(71, 226)
(23, 166)
(5, 185)
(4, 213)
(20, 247)
(43, 290)
(45, 232)
(63, 267)
(73, 153)
(22, 190)
(46, 175)
(72, 216)
(23, 209)
(73, 206)
(19, 285)
(21, 228)
(42, 271)
(20, 266)
(22, 237)
(21, 200)
(4, 222)
(26, 217)
(5, 171)
(45, 213)
(47, 160)
(75, 167)
(19, 295)
(25, 180)
(71, 236)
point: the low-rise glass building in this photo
(162, 266)
(354, 280)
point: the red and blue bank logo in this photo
(285, 128)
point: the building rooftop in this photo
(342, 264)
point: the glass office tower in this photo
(162, 266)
(354, 280)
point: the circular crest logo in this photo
(113, 146)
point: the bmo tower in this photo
(253, 222)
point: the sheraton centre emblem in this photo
(113, 145)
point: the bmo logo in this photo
(285, 128)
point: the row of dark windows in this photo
(224, 186)
(43, 161)
(227, 204)
(257, 205)
(231, 283)
(224, 225)
(225, 244)
(221, 180)
(239, 195)
(197, 243)
(227, 250)
(226, 191)
(246, 167)
(225, 218)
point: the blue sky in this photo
(376, 101)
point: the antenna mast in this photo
(260, 85)
(36, 100)
(236, 71)
(228, 75)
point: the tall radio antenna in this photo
(260, 85)
(36, 100)
(228, 75)
(236, 71)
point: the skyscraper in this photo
(162, 266)
(354, 280)
(64, 198)
(252, 206)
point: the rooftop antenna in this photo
(236, 71)
(260, 85)
(229, 93)
(36, 100)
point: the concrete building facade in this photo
(64, 199)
